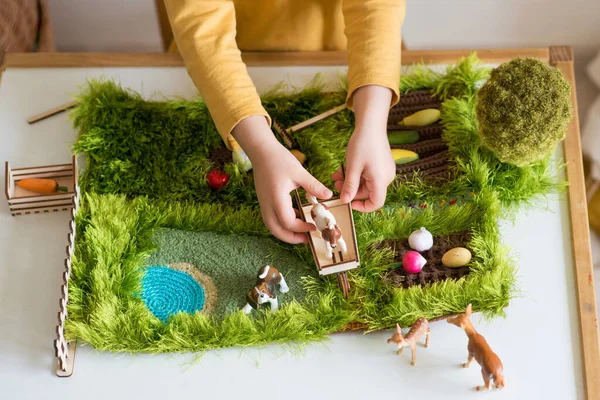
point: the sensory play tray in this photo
(161, 262)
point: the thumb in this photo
(314, 187)
(351, 184)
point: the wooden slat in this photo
(54, 175)
(319, 58)
(42, 197)
(52, 111)
(43, 168)
(562, 57)
(40, 210)
(315, 119)
(37, 204)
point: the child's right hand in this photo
(277, 173)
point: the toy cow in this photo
(480, 350)
(419, 328)
(327, 225)
(264, 291)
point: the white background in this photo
(538, 342)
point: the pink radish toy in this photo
(413, 262)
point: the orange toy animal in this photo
(480, 350)
(419, 328)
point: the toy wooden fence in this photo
(65, 351)
(22, 201)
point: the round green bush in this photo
(523, 110)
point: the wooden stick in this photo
(51, 112)
(315, 119)
(562, 57)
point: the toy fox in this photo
(480, 350)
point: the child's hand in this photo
(276, 173)
(370, 166)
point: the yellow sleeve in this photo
(373, 30)
(204, 32)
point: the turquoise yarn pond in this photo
(167, 291)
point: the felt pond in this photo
(163, 262)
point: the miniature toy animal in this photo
(480, 350)
(264, 291)
(418, 329)
(327, 225)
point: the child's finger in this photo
(351, 183)
(375, 200)
(361, 194)
(314, 187)
(358, 205)
(272, 222)
(339, 185)
(337, 175)
(287, 217)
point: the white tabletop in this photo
(538, 343)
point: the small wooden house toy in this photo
(340, 261)
(22, 201)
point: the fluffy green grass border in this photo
(115, 240)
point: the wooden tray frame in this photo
(560, 56)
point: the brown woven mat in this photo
(409, 103)
(426, 132)
(424, 148)
(434, 270)
(442, 173)
(421, 165)
(434, 158)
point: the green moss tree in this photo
(523, 110)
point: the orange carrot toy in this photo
(44, 186)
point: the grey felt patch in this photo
(232, 261)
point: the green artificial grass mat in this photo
(117, 237)
(231, 261)
(161, 149)
(145, 201)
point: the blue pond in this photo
(166, 291)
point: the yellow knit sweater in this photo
(210, 34)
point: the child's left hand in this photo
(370, 166)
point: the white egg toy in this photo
(420, 240)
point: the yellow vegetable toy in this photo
(402, 156)
(421, 118)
